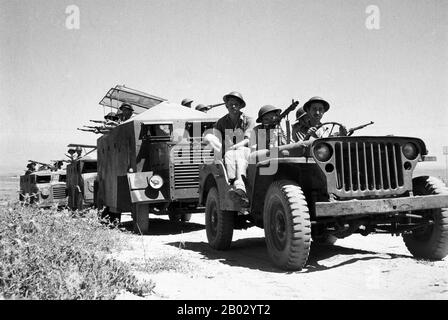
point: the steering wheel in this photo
(327, 130)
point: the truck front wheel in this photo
(430, 241)
(287, 225)
(218, 223)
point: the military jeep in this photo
(330, 188)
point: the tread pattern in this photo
(436, 248)
(224, 233)
(296, 252)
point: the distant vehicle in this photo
(81, 177)
(45, 187)
(150, 163)
(327, 189)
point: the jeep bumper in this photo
(378, 206)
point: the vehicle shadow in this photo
(252, 253)
(160, 227)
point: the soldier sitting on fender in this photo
(309, 118)
(228, 129)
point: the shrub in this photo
(51, 254)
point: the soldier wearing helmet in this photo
(268, 134)
(186, 102)
(127, 111)
(231, 136)
(308, 118)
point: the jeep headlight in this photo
(410, 151)
(156, 181)
(323, 151)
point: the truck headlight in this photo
(90, 185)
(45, 192)
(323, 152)
(410, 151)
(156, 182)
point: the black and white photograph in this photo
(241, 151)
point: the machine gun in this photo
(285, 114)
(87, 130)
(208, 107)
(98, 121)
(352, 130)
(44, 166)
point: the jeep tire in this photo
(287, 225)
(218, 223)
(431, 242)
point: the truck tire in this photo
(218, 223)
(287, 225)
(140, 217)
(432, 242)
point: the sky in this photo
(53, 76)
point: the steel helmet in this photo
(126, 106)
(201, 107)
(236, 95)
(186, 101)
(266, 109)
(300, 113)
(307, 104)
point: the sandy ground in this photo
(357, 267)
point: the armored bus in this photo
(45, 187)
(150, 163)
(81, 178)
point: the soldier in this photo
(186, 102)
(31, 168)
(268, 116)
(119, 115)
(309, 118)
(229, 128)
(127, 111)
(300, 126)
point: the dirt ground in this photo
(357, 267)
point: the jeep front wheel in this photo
(287, 225)
(431, 241)
(218, 223)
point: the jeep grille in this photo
(368, 166)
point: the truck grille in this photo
(58, 192)
(368, 166)
(186, 160)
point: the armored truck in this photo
(81, 178)
(330, 188)
(150, 163)
(45, 188)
